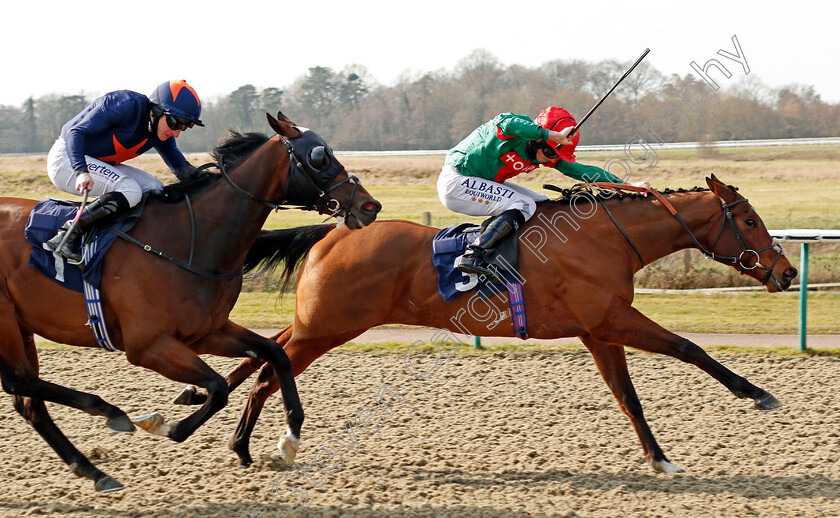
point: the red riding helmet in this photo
(556, 119)
(179, 99)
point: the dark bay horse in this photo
(578, 270)
(161, 315)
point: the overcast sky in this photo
(92, 47)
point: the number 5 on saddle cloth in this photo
(451, 243)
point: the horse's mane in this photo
(232, 148)
(235, 146)
(566, 195)
(177, 191)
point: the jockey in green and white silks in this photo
(474, 177)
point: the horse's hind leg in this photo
(612, 364)
(626, 325)
(19, 375)
(35, 412)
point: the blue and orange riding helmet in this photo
(557, 119)
(179, 99)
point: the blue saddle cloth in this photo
(449, 244)
(44, 221)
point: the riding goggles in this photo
(178, 123)
(549, 152)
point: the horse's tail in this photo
(288, 246)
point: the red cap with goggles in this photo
(557, 119)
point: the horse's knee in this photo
(688, 349)
(217, 391)
(283, 358)
(29, 409)
(13, 384)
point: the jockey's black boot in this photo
(100, 211)
(473, 259)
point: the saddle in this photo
(450, 243)
(45, 220)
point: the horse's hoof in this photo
(768, 403)
(190, 396)
(107, 484)
(663, 466)
(121, 424)
(153, 423)
(288, 446)
(241, 451)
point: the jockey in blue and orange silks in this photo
(474, 177)
(89, 154)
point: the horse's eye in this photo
(318, 157)
(751, 223)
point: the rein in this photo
(188, 265)
(194, 269)
(295, 167)
(741, 260)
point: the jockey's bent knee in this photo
(130, 189)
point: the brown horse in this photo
(578, 270)
(162, 315)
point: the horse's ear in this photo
(723, 192)
(283, 126)
(283, 118)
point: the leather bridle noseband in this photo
(745, 249)
(746, 252)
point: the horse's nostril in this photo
(790, 273)
(371, 206)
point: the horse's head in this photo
(317, 178)
(744, 240)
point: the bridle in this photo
(301, 177)
(304, 168)
(742, 260)
(747, 253)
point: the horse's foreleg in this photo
(624, 324)
(265, 385)
(235, 340)
(191, 395)
(301, 353)
(35, 412)
(612, 364)
(173, 359)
